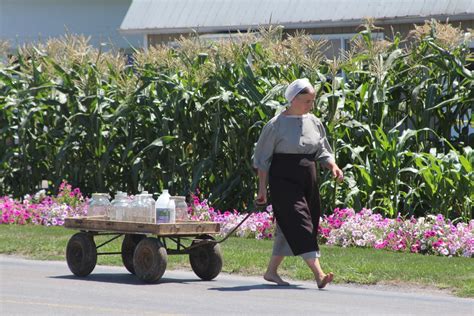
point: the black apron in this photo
(294, 193)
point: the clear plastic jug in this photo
(181, 208)
(150, 213)
(99, 205)
(120, 207)
(172, 211)
(140, 207)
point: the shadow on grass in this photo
(122, 278)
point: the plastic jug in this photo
(119, 206)
(172, 210)
(140, 208)
(181, 208)
(151, 212)
(161, 208)
(99, 205)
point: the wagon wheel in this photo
(129, 244)
(206, 260)
(149, 260)
(81, 254)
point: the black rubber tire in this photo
(150, 260)
(206, 260)
(129, 244)
(81, 254)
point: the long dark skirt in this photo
(294, 193)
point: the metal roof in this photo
(173, 16)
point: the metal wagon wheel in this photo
(81, 254)
(206, 260)
(129, 244)
(150, 260)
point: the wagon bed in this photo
(145, 246)
(179, 229)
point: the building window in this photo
(338, 43)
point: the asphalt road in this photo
(29, 287)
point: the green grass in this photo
(249, 257)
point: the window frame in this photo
(343, 37)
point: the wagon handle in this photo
(257, 207)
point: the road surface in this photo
(31, 287)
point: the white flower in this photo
(40, 194)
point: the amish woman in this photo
(285, 155)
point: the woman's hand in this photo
(335, 170)
(337, 173)
(261, 197)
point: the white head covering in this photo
(295, 87)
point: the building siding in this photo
(387, 30)
(26, 21)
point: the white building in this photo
(24, 21)
(163, 21)
(141, 23)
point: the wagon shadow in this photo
(121, 278)
(242, 288)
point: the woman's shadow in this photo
(127, 278)
(241, 288)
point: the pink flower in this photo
(438, 243)
(429, 234)
(415, 248)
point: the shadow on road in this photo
(121, 278)
(257, 287)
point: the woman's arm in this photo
(262, 187)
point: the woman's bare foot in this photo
(275, 278)
(325, 280)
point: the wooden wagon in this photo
(145, 247)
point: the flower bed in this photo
(345, 227)
(431, 234)
(258, 225)
(42, 209)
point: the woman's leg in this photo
(271, 274)
(322, 279)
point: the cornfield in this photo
(398, 114)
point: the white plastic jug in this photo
(161, 208)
